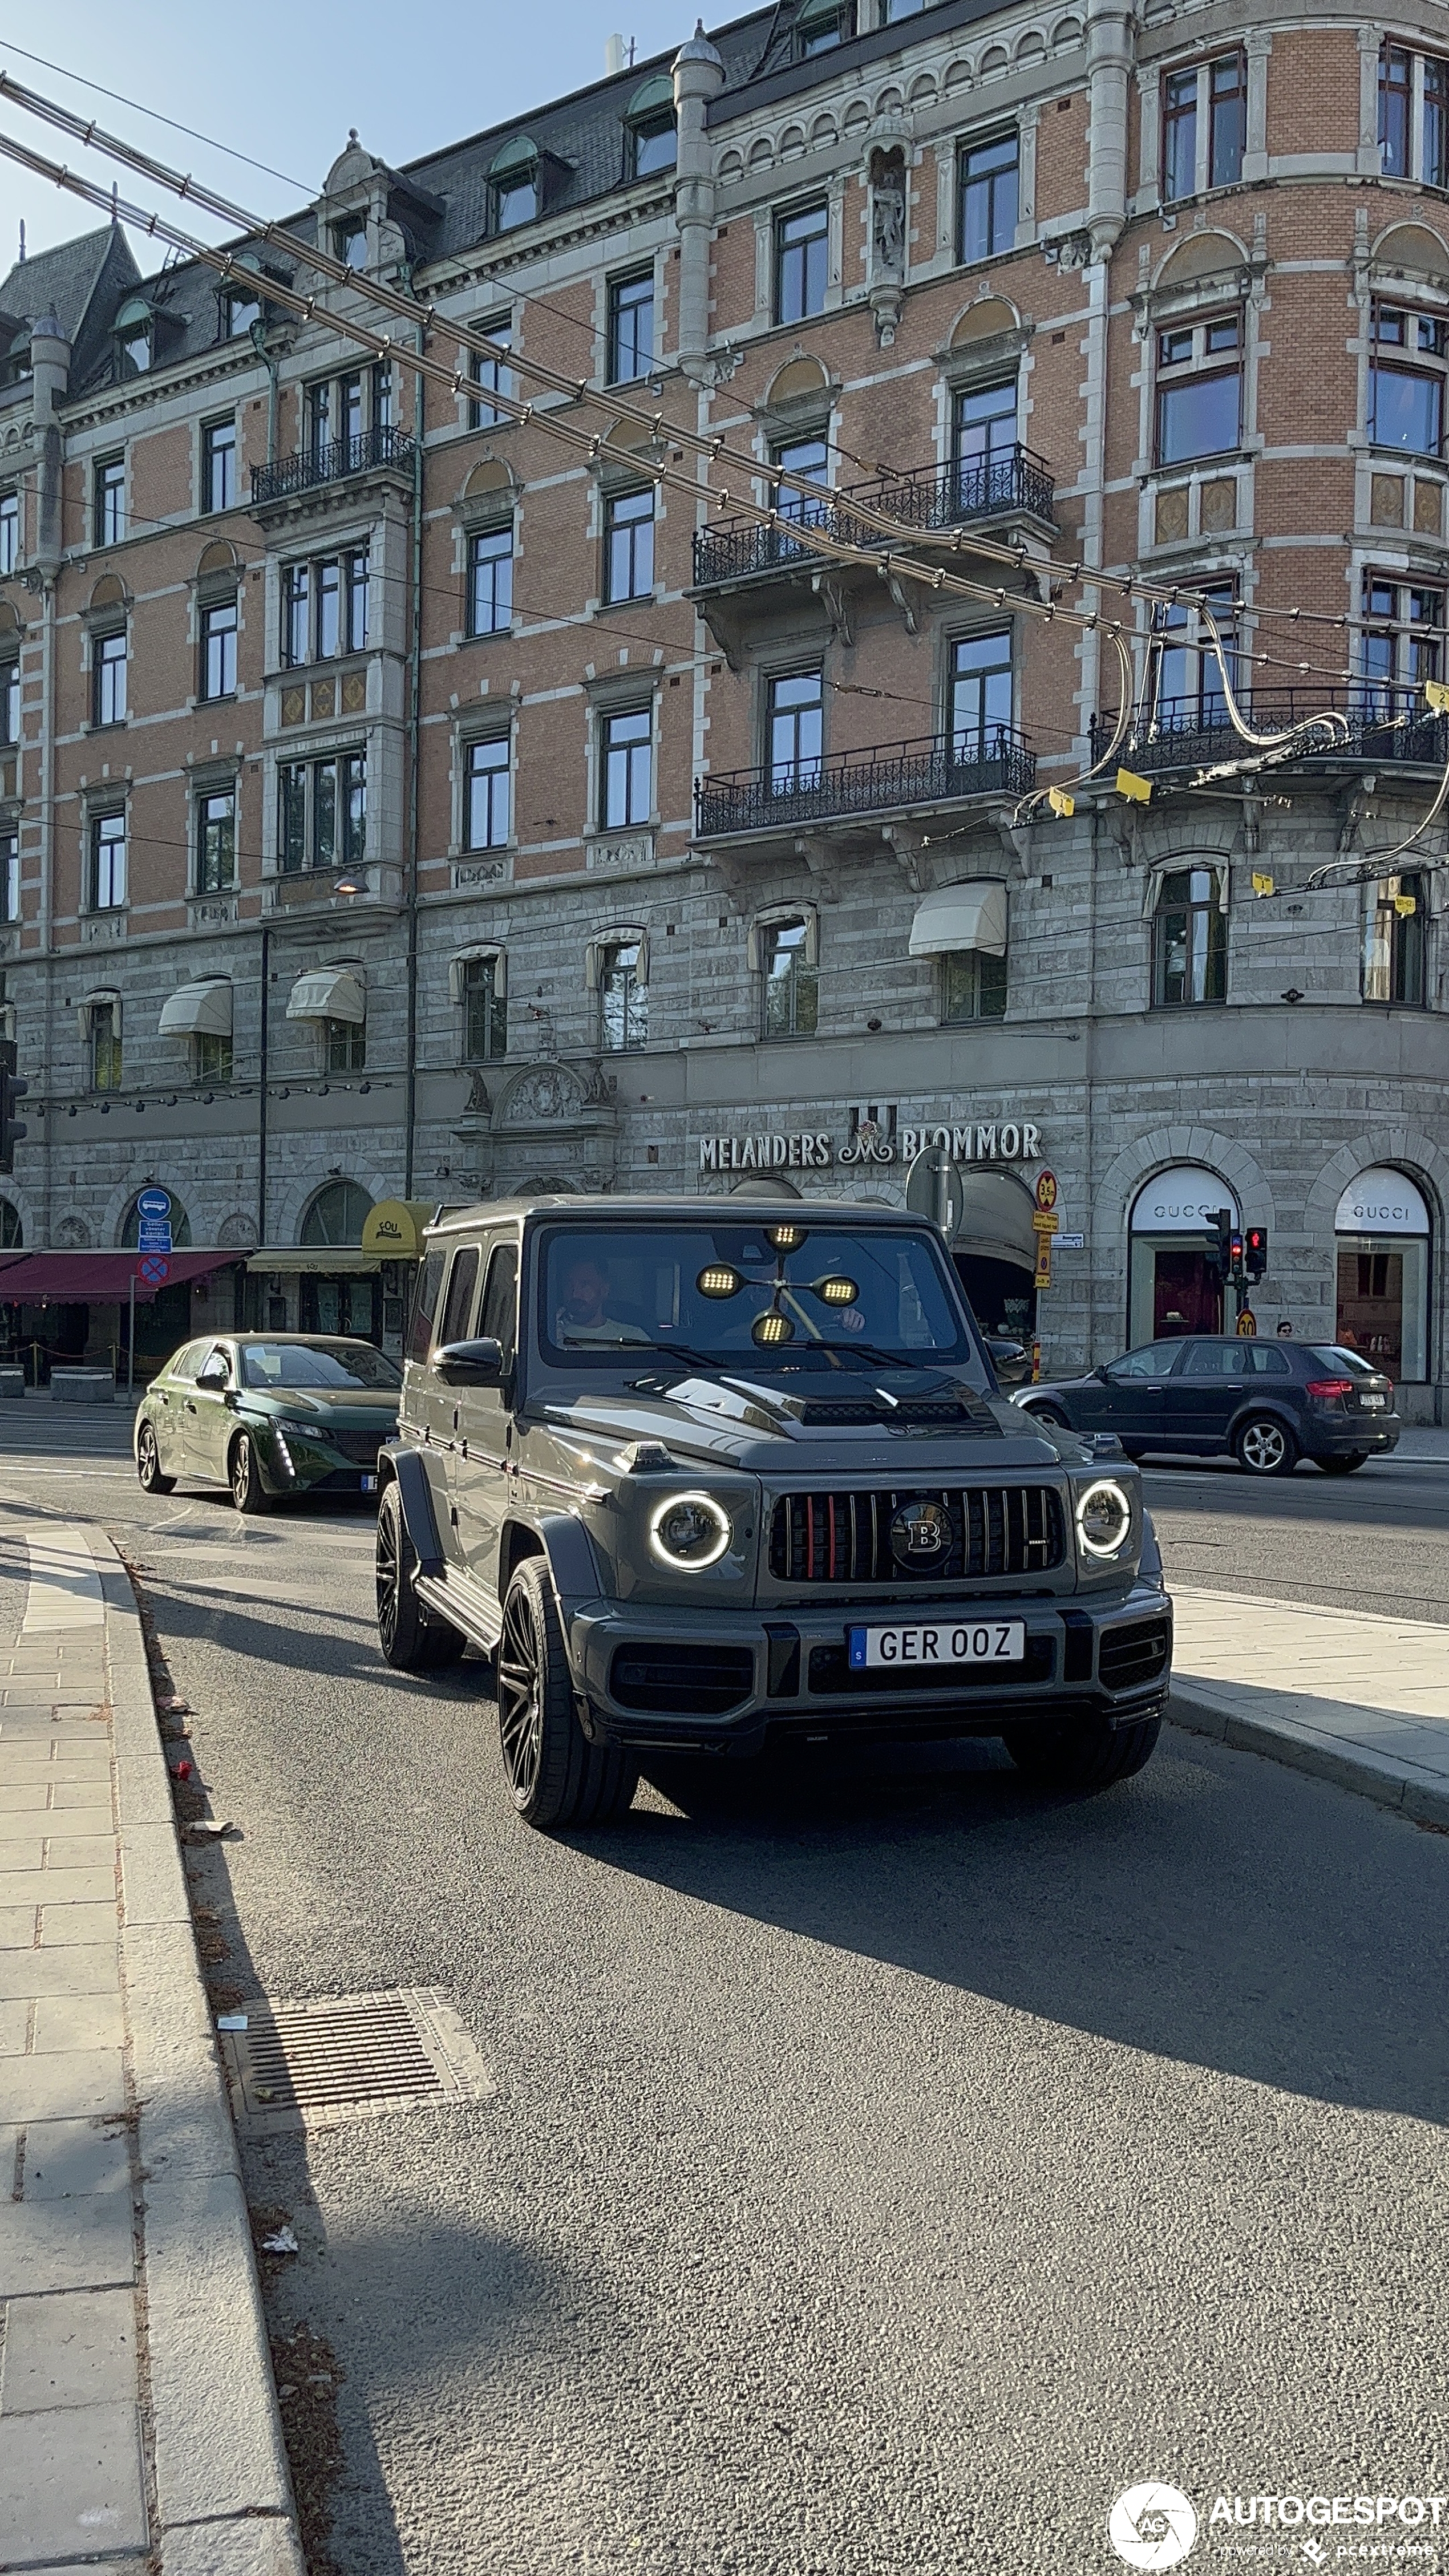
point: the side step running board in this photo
(463, 1606)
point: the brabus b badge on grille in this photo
(920, 1533)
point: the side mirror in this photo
(477, 1363)
(1105, 1376)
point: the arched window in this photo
(12, 1232)
(180, 1226)
(651, 140)
(337, 1214)
(514, 182)
(133, 337)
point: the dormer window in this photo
(241, 312)
(515, 185)
(653, 143)
(134, 327)
(15, 366)
(821, 25)
(349, 241)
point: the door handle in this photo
(190, 1406)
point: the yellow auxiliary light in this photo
(770, 1328)
(717, 1279)
(836, 1292)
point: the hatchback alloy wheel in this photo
(1266, 1447)
(148, 1463)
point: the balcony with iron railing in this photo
(923, 501)
(336, 462)
(1376, 725)
(888, 778)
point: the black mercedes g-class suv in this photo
(700, 1472)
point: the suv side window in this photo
(500, 1300)
(425, 1306)
(458, 1305)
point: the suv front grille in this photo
(846, 1537)
(361, 1445)
(679, 1680)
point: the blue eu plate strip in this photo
(855, 1639)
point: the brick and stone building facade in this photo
(402, 803)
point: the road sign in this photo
(935, 1189)
(1045, 1221)
(1043, 1261)
(154, 1269)
(1071, 1243)
(153, 1234)
(154, 1203)
(1046, 1189)
(1247, 1322)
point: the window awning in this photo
(199, 1010)
(961, 916)
(103, 1278)
(463, 958)
(996, 1213)
(330, 993)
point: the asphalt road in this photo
(883, 2170)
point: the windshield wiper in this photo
(874, 1357)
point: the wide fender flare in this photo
(566, 1545)
(405, 1469)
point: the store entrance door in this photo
(351, 1304)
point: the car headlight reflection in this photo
(689, 1530)
(1104, 1517)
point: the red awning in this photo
(101, 1278)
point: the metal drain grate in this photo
(350, 2057)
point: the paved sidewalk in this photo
(1354, 1697)
(138, 2422)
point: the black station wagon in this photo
(1267, 1404)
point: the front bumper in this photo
(313, 1467)
(694, 1681)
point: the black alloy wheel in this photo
(148, 1464)
(412, 1639)
(556, 1776)
(247, 1490)
(1051, 1413)
(1264, 1446)
(1344, 1465)
(1077, 1759)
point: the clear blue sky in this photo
(284, 83)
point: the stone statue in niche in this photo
(887, 241)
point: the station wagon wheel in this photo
(247, 1490)
(557, 1777)
(148, 1463)
(1051, 1413)
(413, 1639)
(1266, 1447)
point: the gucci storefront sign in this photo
(1005, 1140)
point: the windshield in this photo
(787, 1295)
(345, 1366)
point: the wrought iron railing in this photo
(1375, 722)
(330, 464)
(922, 499)
(881, 780)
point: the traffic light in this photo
(1221, 1249)
(1235, 1253)
(1255, 1251)
(13, 1087)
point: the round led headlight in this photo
(689, 1530)
(1104, 1517)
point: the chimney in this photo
(613, 56)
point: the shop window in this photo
(1190, 939)
(629, 545)
(626, 769)
(9, 532)
(791, 980)
(973, 985)
(218, 465)
(1199, 389)
(795, 718)
(1393, 951)
(108, 678)
(323, 813)
(105, 1046)
(1406, 380)
(981, 694)
(1383, 1236)
(337, 1214)
(802, 262)
(490, 375)
(108, 863)
(109, 503)
(1401, 641)
(216, 842)
(988, 189)
(1174, 1283)
(1186, 692)
(623, 997)
(490, 581)
(1413, 116)
(218, 649)
(1204, 126)
(486, 800)
(631, 328)
(485, 1010)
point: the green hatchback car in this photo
(270, 1415)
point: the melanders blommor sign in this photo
(773, 1149)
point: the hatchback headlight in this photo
(1104, 1517)
(689, 1530)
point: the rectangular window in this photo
(1190, 939)
(796, 720)
(241, 312)
(10, 876)
(349, 241)
(324, 608)
(1199, 400)
(1406, 400)
(988, 188)
(802, 263)
(821, 26)
(623, 1000)
(322, 813)
(973, 985)
(1396, 109)
(1393, 955)
(1227, 119)
(346, 1045)
(1187, 681)
(297, 615)
(110, 500)
(354, 808)
(1179, 135)
(108, 862)
(980, 694)
(1401, 642)
(216, 843)
(9, 532)
(486, 800)
(1413, 94)
(350, 413)
(218, 649)
(485, 1012)
(791, 1004)
(318, 401)
(1206, 105)
(490, 581)
(105, 1047)
(357, 581)
(218, 465)
(627, 769)
(631, 328)
(211, 1057)
(810, 459)
(654, 145)
(629, 545)
(382, 397)
(9, 703)
(292, 820)
(108, 679)
(328, 628)
(490, 375)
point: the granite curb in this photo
(1366, 1775)
(224, 2491)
